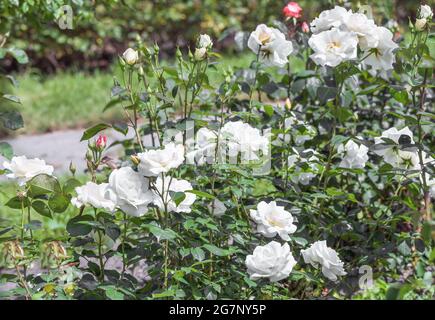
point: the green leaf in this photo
(70, 185)
(76, 227)
(43, 184)
(12, 98)
(178, 197)
(6, 150)
(17, 203)
(162, 234)
(11, 119)
(89, 133)
(19, 55)
(216, 251)
(198, 253)
(201, 194)
(58, 202)
(42, 208)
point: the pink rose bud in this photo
(101, 142)
(305, 27)
(292, 10)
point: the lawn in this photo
(75, 99)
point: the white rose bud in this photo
(130, 56)
(200, 54)
(420, 24)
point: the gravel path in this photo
(59, 148)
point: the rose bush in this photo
(281, 181)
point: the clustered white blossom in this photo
(162, 194)
(235, 138)
(271, 46)
(337, 34)
(154, 162)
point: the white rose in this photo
(364, 28)
(274, 48)
(162, 194)
(425, 12)
(23, 169)
(131, 191)
(271, 261)
(204, 41)
(130, 56)
(205, 147)
(382, 56)
(320, 253)
(329, 19)
(353, 155)
(333, 47)
(240, 137)
(96, 195)
(272, 219)
(391, 152)
(217, 207)
(154, 162)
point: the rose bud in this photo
(200, 53)
(305, 27)
(292, 10)
(101, 142)
(420, 24)
(130, 56)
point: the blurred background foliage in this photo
(102, 28)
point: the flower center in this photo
(264, 38)
(333, 45)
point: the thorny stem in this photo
(257, 65)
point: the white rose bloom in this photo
(425, 12)
(217, 207)
(272, 219)
(130, 56)
(382, 56)
(364, 28)
(23, 169)
(320, 253)
(96, 195)
(131, 191)
(204, 41)
(204, 148)
(333, 47)
(408, 160)
(274, 48)
(391, 153)
(354, 155)
(329, 19)
(271, 261)
(241, 138)
(154, 162)
(174, 185)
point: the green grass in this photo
(76, 99)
